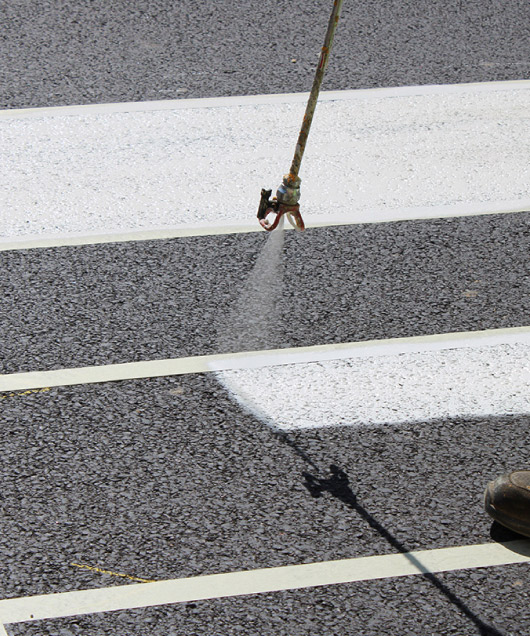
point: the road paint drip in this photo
(93, 568)
(29, 392)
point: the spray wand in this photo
(288, 194)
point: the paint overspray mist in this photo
(254, 320)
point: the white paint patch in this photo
(371, 155)
(419, 386)
(262, 359)
(3, 630)
(277, 579)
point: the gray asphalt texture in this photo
(111, 303)
(169, 477)
(394, 607)
(92, 51)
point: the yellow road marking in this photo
(8, 395)
(93, 568)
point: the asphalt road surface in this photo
(87, 52)
(122, 302)
(167, 478)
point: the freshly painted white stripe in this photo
(372, 156)
(260, 359)
(291, 577)
(212, 229)
(258, 100)
(432, 385)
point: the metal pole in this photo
(288, 194)
(315, 89)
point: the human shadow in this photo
(337, 485)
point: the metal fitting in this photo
(289, 192)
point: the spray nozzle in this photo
(285, 202)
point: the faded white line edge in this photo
(290, 577)
(210, 229)
(3, 630)
(259, 359)
(255, 100)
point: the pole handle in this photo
(315, 90)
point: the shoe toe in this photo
(507, 500)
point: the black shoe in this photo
(507, 500)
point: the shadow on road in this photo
(337, 485)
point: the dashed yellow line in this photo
(92, 568)
(9, 395)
